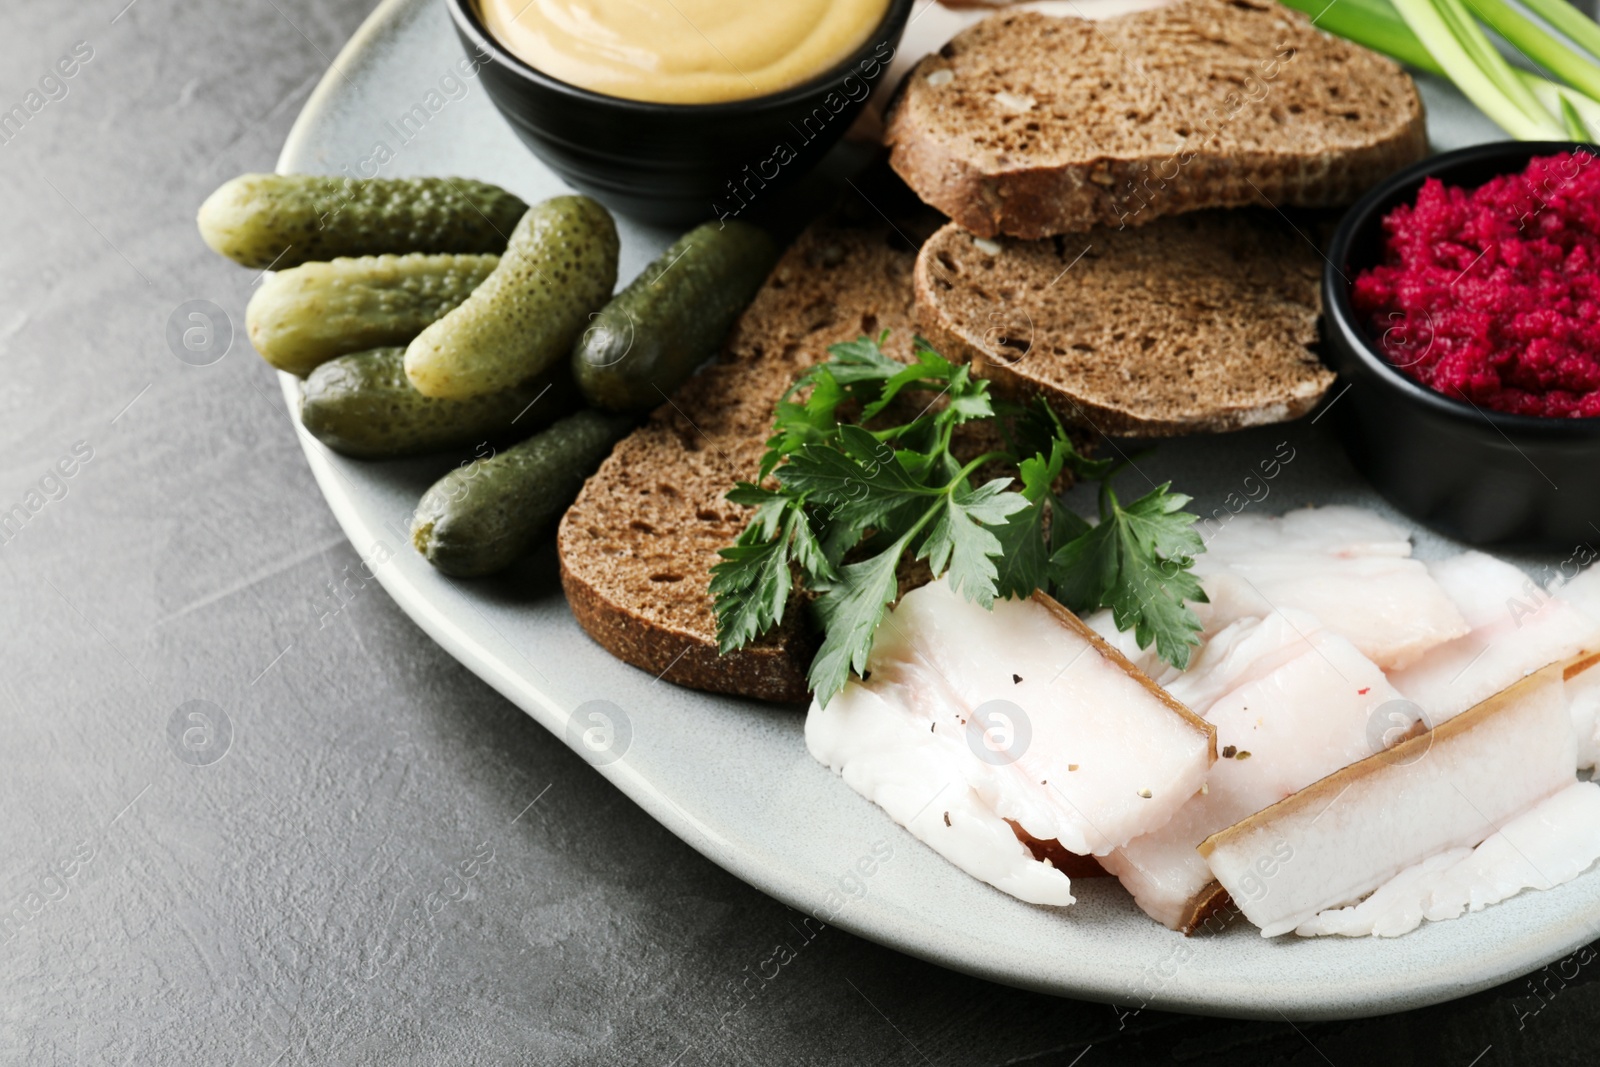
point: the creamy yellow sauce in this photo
(683, 51)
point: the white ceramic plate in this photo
(733, 778)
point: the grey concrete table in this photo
(249, 814)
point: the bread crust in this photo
(939, 134)
(773, 670)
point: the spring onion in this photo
(1561, 100)
(1570, 21)
(1539, 46)
(1446, 37)
(1374, 24)
(1438, 26)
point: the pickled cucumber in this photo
(362, 405)
(306, 315)
(673, 317)
(283, 220)
(481, 516)
(560, 265)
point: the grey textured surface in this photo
(358, 878)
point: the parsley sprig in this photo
(844, 493)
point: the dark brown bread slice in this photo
(638, 545)
(1030, 125)
(1198, 323)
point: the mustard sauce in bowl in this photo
(682, 51)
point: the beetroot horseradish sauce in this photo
(1492, 295)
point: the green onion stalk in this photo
(1447, 38)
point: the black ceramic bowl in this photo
(678, 164)
(1476, 475)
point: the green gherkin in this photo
(560, 265)
(303, 317)
(480, 517)
(361, 405)
(283, 220)
(673, 317)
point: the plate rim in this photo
(1402, 992)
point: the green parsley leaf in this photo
(807, 551)
(850, 610)
(868, 494)
(1135, 562)
(812, 422)
(1064, 525)
(1086, 568)
(770, 507)
(1034, 429)
(752, 584)
(1025, 551)
(930, 371)
(960, 542)
(968, 403)
(1024, 556)
(855, 362)
(857, 486)
(1160, 526)
(1149, 600)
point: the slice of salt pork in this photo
(1582, 591)
(1336, 841)
(920, 780)
(1583, 688)
(1291, 703)
(1517, 628)
(1553, 843)
(1583, 702)
(1347, 566)
(969, 721)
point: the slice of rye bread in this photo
(1198, 323)
(1030, 125)
(638, 545)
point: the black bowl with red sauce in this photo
(1481, 476)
